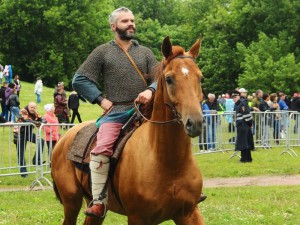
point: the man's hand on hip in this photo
(106, 105)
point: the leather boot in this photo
(96, 210)
(99, 166)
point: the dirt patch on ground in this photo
(216, 182)
(253, 181)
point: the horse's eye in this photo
(169, 80)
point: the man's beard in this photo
(124, 35)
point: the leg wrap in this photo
(99, 166)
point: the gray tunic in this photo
(109, 64)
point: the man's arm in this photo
(86, 88)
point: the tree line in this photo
(246, 43)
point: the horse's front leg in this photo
(136, 220)
(92, 221)
(194, 218)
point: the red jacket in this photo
(51, 131)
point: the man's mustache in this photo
(130, 27)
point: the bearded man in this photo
(123, 83)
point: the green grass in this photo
(87, 110)
(232, 206)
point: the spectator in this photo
(73, 103)
(221, 100)
(250, 98)
(28, 115)
(6, 73)
(286, 99)
(1, 73)
(210, 108)
(256, 100)
(8, 91)
(295, 106)
(61, 106)
(267, 118)
(267, 105)
(244, 139)
(229, 109)
(38, 89)
(4, 108)
(256, 118)
(275, 118)
(243, 94)
(18, 84)
(14, 104)
(51, 132)
(203, 137)
(60, 87)
(284, 116)
(10, 74)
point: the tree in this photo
(51, 39)
(268, 65)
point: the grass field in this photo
(87, 110)
(224, 206)
(271, 205)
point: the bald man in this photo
(28, 115)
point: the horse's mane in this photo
(157, 74)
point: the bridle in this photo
(177, 116)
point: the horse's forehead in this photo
(185, 66)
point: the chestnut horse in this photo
(156, 178)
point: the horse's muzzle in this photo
(193, 127)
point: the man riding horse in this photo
(122, 65)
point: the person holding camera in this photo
(25, 133)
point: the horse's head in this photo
(182, 79)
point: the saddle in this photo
(85, 140)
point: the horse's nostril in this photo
(189, 123)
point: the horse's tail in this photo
(56, 192)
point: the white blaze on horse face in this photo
(185, 71)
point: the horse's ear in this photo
(166, 47)
(194, 51)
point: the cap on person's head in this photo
(60, 84)
(243, 90)
(235, 93)
(48, 107)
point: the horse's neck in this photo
(172, 143)
(171, 146)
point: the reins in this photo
(176, 119)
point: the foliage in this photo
(45, 39)
(52, 38)
(269, 59)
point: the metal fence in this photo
(24, 148)
(270, 129)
